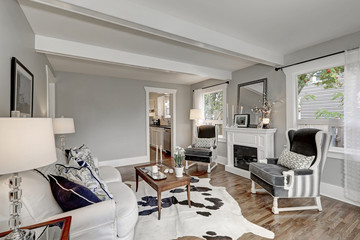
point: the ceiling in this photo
(181, 41)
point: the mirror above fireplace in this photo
(250, 95)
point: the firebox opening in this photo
(243, 156)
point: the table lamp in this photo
(63, 126)
(196, 114)
(25, 143)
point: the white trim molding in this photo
(335, 192)
(77, 50)
(125, 161)
(154, 22)
(173, 117)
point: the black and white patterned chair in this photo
(282, 182)
(207, 154)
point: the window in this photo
(314, 98)
(213, 109)
(320, 102)
(213, 101)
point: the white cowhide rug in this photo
(214, 214)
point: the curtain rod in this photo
(227, 82)
(313, 59)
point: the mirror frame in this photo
(263, 80)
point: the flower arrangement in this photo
(265, 111)
(179, 156)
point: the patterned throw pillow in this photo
(294, 161)
(85, 176)
(70, 195)
(204, 142)
(83, 157)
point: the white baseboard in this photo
(124, 161)
(335, 192)
(221, 160)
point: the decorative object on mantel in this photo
(25, 143)
(178, 158)
(241, 120)
(22, 89)
(265, 111)
(63, 126)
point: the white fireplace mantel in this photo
(261, 139)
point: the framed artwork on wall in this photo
(22, 89)
(241, 120)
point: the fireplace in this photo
(243, 156)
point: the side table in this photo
(57, 229)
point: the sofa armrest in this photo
(92, 222)
(272, 160)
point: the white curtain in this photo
(198, 103)
(352, 125)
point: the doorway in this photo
(160, 119)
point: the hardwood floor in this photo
(338, 220)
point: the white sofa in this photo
(112, 219)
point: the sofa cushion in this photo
(86, 177)
(82, 155)
(109, 174)
(204, 142)
(270, 173)
(51, 169)
(293, 160)
(126, 208)
(198, 152)
(70, 195)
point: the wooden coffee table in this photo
(169, 183)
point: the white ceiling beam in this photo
(78, 50)
(135, 16)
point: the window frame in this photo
(219, 88)
(292, 89)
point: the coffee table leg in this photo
(137, 181)
(188, 195)
(159, 204)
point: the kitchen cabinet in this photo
(156, 136)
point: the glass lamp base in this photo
(20, 234)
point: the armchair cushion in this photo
(207, 131)
(293, 160)
(204, 142)
(269, 173)
(205, 152)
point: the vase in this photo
(179, 171)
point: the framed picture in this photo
(241, 120)
(22, 89)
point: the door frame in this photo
(173, 117)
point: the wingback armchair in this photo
(282, 182)
(203, 154)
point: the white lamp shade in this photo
(26, 143)
(63, 125)
(196, 114)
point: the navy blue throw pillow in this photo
(70, 195)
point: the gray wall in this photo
(18, 40)
(334, 168)
(332, 46)
(109, 113)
